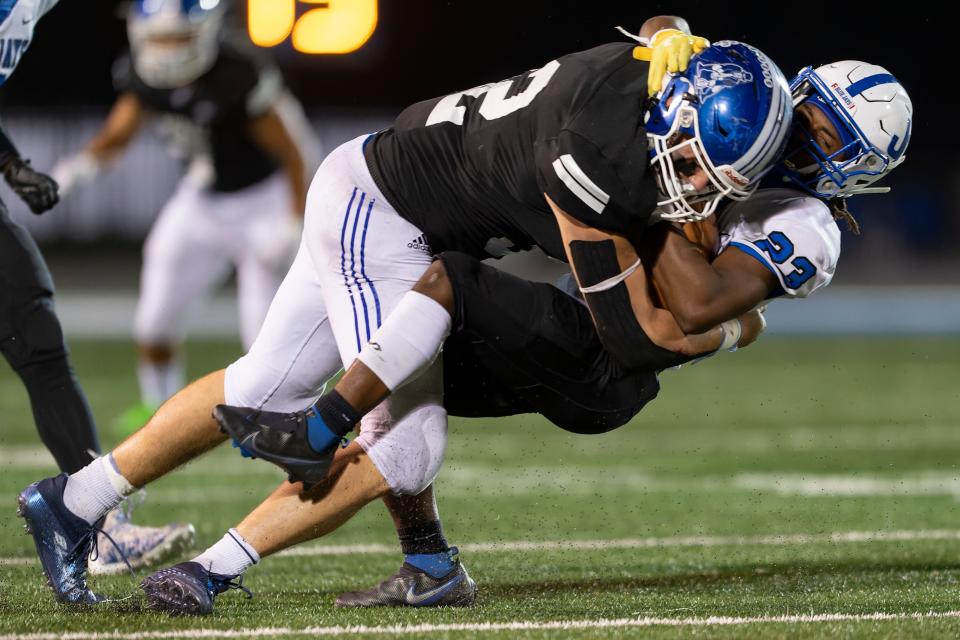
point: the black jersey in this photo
(210, 116)
(472, 167)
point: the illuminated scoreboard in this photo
(312, 26)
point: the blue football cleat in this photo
(187, 589)
(63, 541)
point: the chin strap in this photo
(866, 190)
(642, 40)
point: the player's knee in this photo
(156, 352)
(435, 284)
(410, 453)
(36, 336)
(253, 382)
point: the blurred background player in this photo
(31, 338)
(248, 150)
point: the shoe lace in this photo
(226, 583)
(92, 537)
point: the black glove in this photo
(37, 190)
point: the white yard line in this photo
(837, 537)
(931, 483)
(517, 625)
(648, 543)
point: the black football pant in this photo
(32, 342)
(527, 347)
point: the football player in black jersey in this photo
(225, 111)
(521, 347)
(31, 338)
(554, 157)
(557, 158)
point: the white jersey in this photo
(791, 233)
(17, 21)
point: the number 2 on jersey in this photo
(780, 249)
(496, 102)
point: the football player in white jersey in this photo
(31, 338)
(226, 113)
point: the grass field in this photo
(794, 489)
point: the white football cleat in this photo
(142, 546)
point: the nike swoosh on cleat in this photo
(249, 444)
(414, 598)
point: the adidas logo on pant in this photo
(420, 244)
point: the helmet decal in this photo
(712, 78)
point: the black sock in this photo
(337, 413)
(423, 538)
(61, 412)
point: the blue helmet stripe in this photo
(775, 130)
(869, 82)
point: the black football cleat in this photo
(187, 589)
(412, 587)
(280, 438)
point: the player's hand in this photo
(752, 324)
(39, 191)
(670, 51)
(705, 235)
(75, 171)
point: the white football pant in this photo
(357, 260)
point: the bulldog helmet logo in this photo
(714, 78)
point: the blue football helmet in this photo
(872, 115)
(730, 112)
(174, 42)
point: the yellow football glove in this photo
(670, 50)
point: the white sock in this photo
(408, 341)
(159, 381)
(231, 556)
(96, 489)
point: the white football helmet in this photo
(873, 115)
(173, 42)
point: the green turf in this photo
(787, 437)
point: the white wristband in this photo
(731, 330)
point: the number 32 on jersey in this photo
(496, 104)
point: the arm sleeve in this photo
(796, 239)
